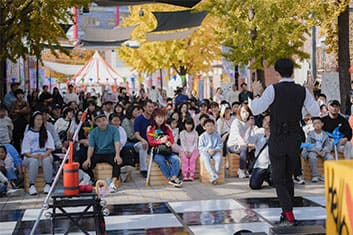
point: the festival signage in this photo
(339, 197)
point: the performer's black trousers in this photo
(284, 154)
(108, 158)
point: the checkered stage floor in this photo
(224, 216)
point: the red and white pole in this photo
(75, 26)
(117, 16)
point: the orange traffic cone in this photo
(71, 177)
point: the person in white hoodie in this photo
(238, 141)
(261, 168)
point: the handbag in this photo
(253, 161)
(63, 134)
(163, 149)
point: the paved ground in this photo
(135, 191)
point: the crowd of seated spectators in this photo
(123, 129)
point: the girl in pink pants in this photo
(189, 151)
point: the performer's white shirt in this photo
(261, 104)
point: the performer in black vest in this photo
(285, 100)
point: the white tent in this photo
(96, 72)
(67, 69)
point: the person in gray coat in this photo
(321, 146)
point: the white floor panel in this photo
(7, 228)
(300, 213)
(120, 222)
(227, 229)
(32, 214)
(205, 205)
(321, 200)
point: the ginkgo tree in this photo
(186, 56)
(28, 26)
(258, 32)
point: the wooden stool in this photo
(197, 168)
(340, 155)
(234, 164)
(39, 183)
(320, 166)
(307, 169)
(205, 176)
(156, 175)
(102, 171)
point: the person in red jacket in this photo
(160, 138)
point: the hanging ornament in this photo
(174, 77)
(124, 79)
(132, 79)
(91, 80)
(158, 78)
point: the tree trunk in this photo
(2, 60)
(182, 74)
(3, 78)
(343, 60)
(236, 76)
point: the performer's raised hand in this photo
(309, 84)
(257, 88)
